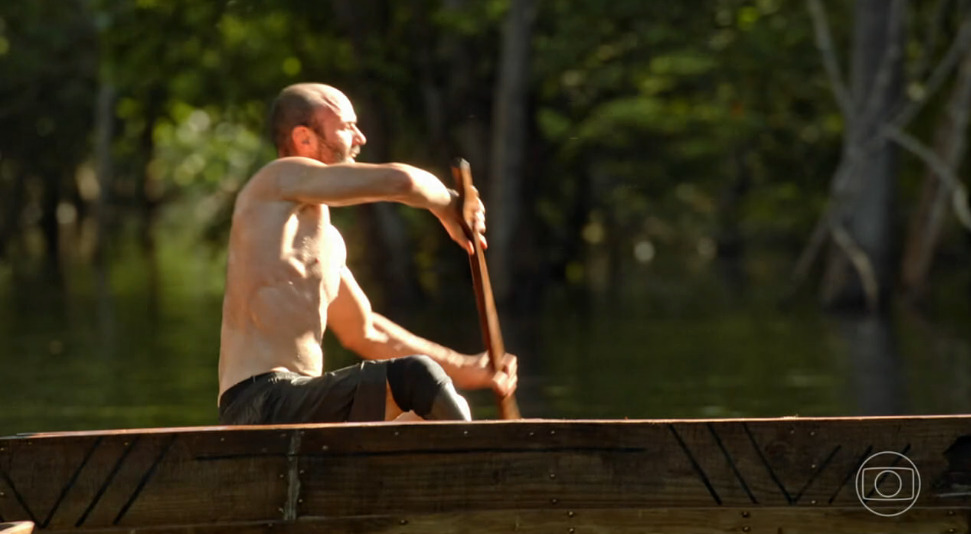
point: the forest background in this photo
(640, 161)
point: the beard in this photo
(334, 153)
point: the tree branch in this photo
(809, 253)
(937, 78)
(876, 99)
(861, 262)
(933, 31)
(959, 194)
(824, 43)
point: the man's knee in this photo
(419, 384)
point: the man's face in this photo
(338, 138)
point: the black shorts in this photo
(357, 393)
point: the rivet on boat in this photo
(553, 501)
(302, 471)
(403, 522)
(552, 476)
(552, 432)
(746, 528)
(282, 475)
(813, 467)
(396, 433)
(745, 514)
(950, 512)
(531, 434)
(572, 530)
(2, 494)
(570, 513)
(465, 432)
(324, 448)
(813, 433)
(813, 502)
(792, 430)
(222, 439)
(283, 436)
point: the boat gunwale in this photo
(483, 423)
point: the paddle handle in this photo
(488, 317)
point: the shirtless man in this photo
(287, 282)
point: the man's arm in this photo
(376, 337)
(308, 181)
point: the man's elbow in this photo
(401, 185)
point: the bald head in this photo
(303, 104)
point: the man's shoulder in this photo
(265, 189)
(264, 184)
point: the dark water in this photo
(136, 345)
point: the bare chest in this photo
(315, 248)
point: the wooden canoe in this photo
(679, 476)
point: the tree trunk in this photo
(509, 128)
(877, 376)
(50, 226)
(950, 140)
(864, 192)
(10, 205)
(104, 125)
(146, 184)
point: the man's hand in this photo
(451, 218)
(476, 373)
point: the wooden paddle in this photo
(488, 318)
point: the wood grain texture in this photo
(766, 475)
(592, 521)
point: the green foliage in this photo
(672, 122)
(47, 68)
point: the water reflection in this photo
(136, 345)
(877, 381)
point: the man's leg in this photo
(418, 384)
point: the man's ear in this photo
(301, 137)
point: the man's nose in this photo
(359, 136)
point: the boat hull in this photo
(744, 475)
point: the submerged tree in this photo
(859, 219)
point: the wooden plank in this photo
(767, 520)
(368, 477)
(37, 487)
(187, 487)
(124, 478)
(83, 488)
(12, 504)
(140, 479)
(238, 442)
(491, 435)
(705, 456)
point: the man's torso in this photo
(283, 271)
